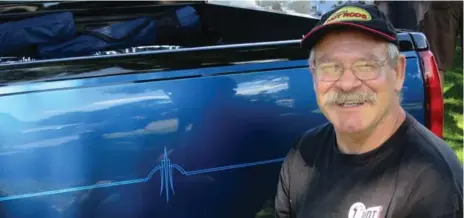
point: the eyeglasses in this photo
(362, 69)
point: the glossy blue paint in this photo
(209, 146)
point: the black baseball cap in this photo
(359, 16)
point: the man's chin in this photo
(349, 130)
(353, 124)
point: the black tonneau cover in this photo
(218, 25)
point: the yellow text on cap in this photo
(349, 13)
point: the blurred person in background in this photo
(440, 21)
(442, 24)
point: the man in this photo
(372, 159)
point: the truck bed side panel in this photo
(138, 145)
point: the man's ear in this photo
(400, 73)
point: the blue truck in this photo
(196, 127)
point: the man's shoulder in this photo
(431, 153)
(316, 133)
(430, 173)
(311, 143)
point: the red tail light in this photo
(434, 108)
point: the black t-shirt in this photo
(413, 174)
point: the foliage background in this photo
(453, 94)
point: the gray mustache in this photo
(351, 97)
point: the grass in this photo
(453, 95)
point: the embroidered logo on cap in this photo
(349, 13)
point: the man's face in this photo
(355, 84)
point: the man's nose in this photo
(348, 81)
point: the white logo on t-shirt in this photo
(359, 210)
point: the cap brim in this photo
(311, 38)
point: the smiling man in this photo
(372, 159)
